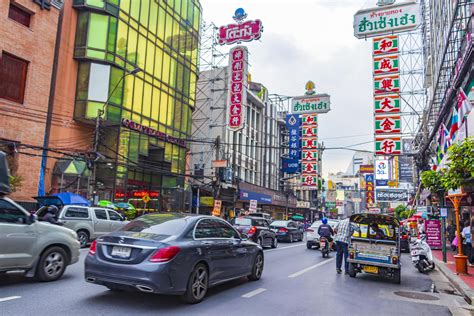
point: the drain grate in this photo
(417, 296)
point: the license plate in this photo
(122, 252)
(371, 269)
(415, 252)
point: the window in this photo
(77, 212)
(224, 230)
(159, 224)
(9, 213)
(12, 77)
(114, 216)
(260, 222)
(100, 214)
(19, 15)
(206, 228)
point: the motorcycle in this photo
(421, 255)
(324, 246)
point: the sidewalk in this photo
(463, 283)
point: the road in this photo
(296, 281)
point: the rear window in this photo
(279, 223)
(384, 232)
(160, 224)
(77, 212)
(243, 221)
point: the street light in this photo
(100, 112)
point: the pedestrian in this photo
(344, 231)
(466, 241)
(451, 229)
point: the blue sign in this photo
(290, 165)
(369, 178)
(293, 121)
(381, 183)
(261, 198)
(295, 154)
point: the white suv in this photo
(312, 236)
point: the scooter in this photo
(324, 246)
(421, 255)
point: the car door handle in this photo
(206, 242)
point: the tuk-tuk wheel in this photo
(352, 270)
(396, 276)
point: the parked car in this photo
(171, 253)
(312, 236)
(42, 250)
(257, 230)
(89, 222)
(260, 214)
(287, 231)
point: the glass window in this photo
(12, 77)
(260, 222)
(9, 213)
(159, 224)
(144, 11)
(132, 45)
(138, 95)
(19, 15)
(141, 52)
(224, 230)
(243, 221)
(112, 35)
(206, 228)
(100, 214)
(125, 5)
(114, 216)
(99, 82)
(135, 9)
(98, 26)
(77, 212)
(96, 3)
(160, 31)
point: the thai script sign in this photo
(387, 104)
(242, 32)
(405, 169)
(387, 84)
(366, 169)
(238, 64)
(152, 132)
(318, 103)
(433, 233)
(386, 20)
(388, 145)
(385, 45)
(386, 64)
(391, 195)
(387, 124)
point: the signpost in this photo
(216, 211)
(253, 206)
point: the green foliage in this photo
(130, 214)
(399, 210)
(460, 165)
(431, 180)
(407, 213)
(15, 183)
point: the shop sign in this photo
(293, 121)
(238, 62)
(309, 131)
(241, 32)
(388, 145)
(386, 84)
(369, 189)
(391, 195)
(295, 153)
(146, 198)
(310, 155)
(381, 169)
(318, 103)
(366, 169)
(152, 132)
(206, 201)
(381, 183)
(309, 143)
(405, 169)
(385, 45)
(302, 204)
(309, 119)
(388, 124)
(290, 165)
(216, 211)
(249, 195)
(137, 194)
(219, 163)
(309, 181)
(433, 233)
(253, 206)
(309, 167)
(385, 104)
(386, 20)
(386, 65)
(294, 139)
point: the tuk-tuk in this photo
(375, 246)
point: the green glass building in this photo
(161, 37)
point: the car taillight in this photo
(93, 248)
(394, 260)
(252, 231)
(283, 230)
(404, 237)
(165, 254)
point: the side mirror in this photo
(33, 218)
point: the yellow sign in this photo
(393, 184)
(206, 201)
(217, 208)
(310, 88)
(146, 198)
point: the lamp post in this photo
(460, 258)
(100, 112)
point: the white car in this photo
(312, 236)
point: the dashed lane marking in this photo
(253, 293)
(9, 298)
(281, 248)
(296, 274)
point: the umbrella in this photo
(125, 205)
(297, 217)
(68, 198)
(107, 204)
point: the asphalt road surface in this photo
(295, 281)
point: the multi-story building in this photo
(27, 49)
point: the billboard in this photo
(391, 195)
(318, 103)
(382, 170)
(405, 169)
(241, 32)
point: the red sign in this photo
(237, 82)
(237, 33)
(152, 132)
(137, 194)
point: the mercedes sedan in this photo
(174, 254)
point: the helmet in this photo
(325, 221)
(53, 209)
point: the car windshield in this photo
(380, 232)
(161, 224)
(243, 221)
(279, 223)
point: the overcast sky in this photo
(312, 40)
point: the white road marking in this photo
(294, 275)
(4, 299)
(281, 248)
(253, 293)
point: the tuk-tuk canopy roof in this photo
(380, 219)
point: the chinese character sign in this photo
(386, 64)
(309, 145)
(385, 45)
(388, 145)
(387, 104)
(387, 84)
(293, 123)
(238, 63)
(387, 124)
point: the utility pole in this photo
(217, 184)
(93, 187)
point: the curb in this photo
(456, 281)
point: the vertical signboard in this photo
(369, 190)
(309, 147)
(238, 64)
(293, 123)
(433, 233)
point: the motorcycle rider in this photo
(326, 231)
(51, 215)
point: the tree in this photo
(460, 166)
(399, 210)
(15, 183)
(431, 180)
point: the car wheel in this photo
(275, 243)
(197, 285)
(83, 238)
(52, 264)
(396, 277)
(352, 271)
(309, 246)
(257, 268)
